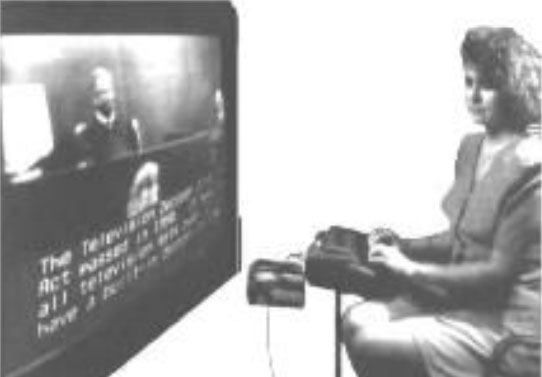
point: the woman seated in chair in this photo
(465, 290)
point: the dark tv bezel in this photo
(108, 347)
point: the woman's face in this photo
(482, 100)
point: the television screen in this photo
(119, 207)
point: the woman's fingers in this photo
(382, 235)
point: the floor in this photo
(225, 336)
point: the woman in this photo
(466, 289)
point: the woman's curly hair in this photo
(510, 64)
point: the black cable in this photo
(268, 342)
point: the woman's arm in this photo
(518, 228)
(435, 248)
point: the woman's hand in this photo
(384, 236)
(391, 258)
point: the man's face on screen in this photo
(103, 93)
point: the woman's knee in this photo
(385, 345)
(376, 337)
(348, 325)
(360, 316)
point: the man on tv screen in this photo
(107, 135)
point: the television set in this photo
(118, 176)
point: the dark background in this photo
(167, 82)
